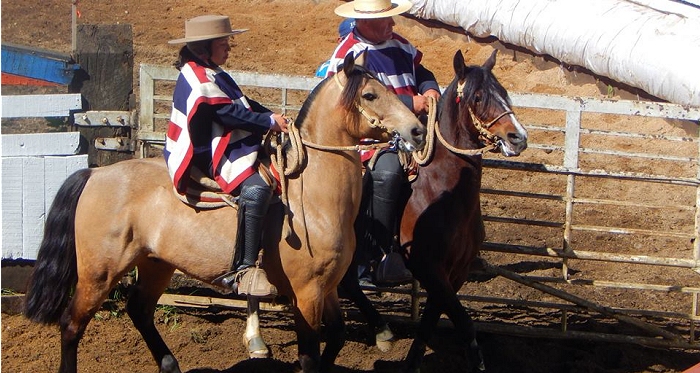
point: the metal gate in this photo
(594, 224)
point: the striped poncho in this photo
(233, 148)
(394, 61)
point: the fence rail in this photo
(626, 198)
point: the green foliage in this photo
(171, 316)
(9, 292)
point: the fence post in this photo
(106, 55)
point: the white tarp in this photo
(653, 45)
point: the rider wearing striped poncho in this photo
(215, 128)
(397, 64)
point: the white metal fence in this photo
(586, 219)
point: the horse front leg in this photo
(465, 326)
(307, 318)
(428, 323)
(335, 331)
(257, 349)
(153, 279)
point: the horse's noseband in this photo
(486, 136)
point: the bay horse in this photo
(441, 229)
(106, 221)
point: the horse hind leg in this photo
(153, 278)
(88, 297)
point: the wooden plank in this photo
(10, 79)
(596, 105)
(103, 118)
(38, 64)
(147, 90)
(29, 187)
(12, 304)
(11, 208)
(57, 170)
(33, 202)
(106, 56)
(32, 106)
(38, 144)
(181, 300)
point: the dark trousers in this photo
(382, 194)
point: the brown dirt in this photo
(293, 37)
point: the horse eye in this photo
(369, 96)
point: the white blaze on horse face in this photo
(512, 147)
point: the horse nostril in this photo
(516, 138)
(418, 132)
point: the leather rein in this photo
(490, 141)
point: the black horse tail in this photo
(55, 271)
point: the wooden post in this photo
(106, 56)
(74, 26)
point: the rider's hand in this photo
(432, 93)
(420, 102)
(281, 123)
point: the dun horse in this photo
(108, 220)
(441, 228)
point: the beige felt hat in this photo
(206, 28)
(364, 9)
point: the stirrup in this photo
(251, 281)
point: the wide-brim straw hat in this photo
(366, 9)
(206, 28)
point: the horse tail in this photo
(55, 271)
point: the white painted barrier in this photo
(33, 168)
(54, 105)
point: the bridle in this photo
(374, 122)
(491, 141)
(486, 136)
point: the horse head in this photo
(483, 105)
(385, 115)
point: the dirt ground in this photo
(293, 37)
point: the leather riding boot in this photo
(387, 191)
(248, 278)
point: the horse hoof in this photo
(385, 346)
(384, 339)
(256, 347)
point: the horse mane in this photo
(478, 79)
(347, 100)
(304, 111)
(354, 81)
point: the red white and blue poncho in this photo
(211, 116)
(394, 61)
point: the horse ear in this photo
(348, 64)
(458, 63)
(361, 58)
(491, 62)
